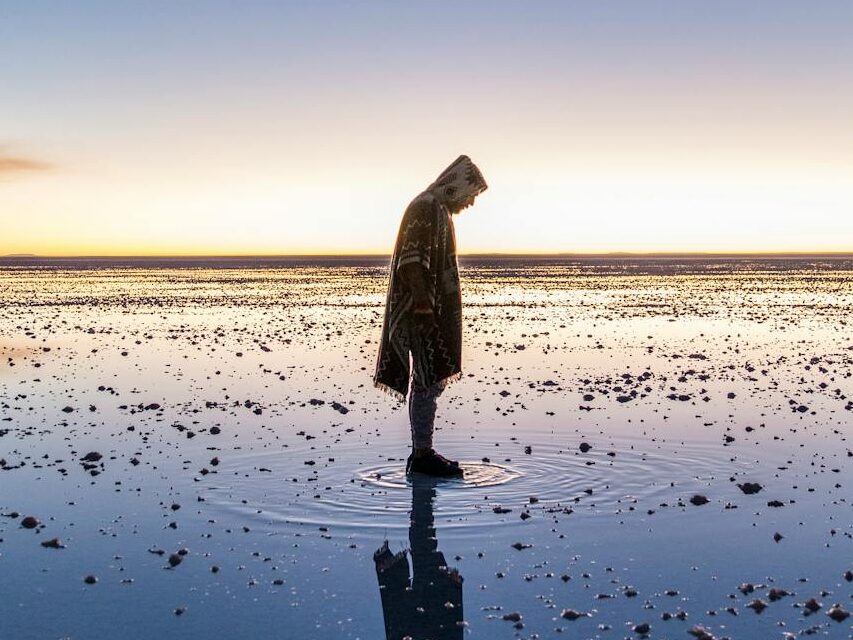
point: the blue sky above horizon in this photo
(222, 127)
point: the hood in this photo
(459, 181)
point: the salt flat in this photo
(661, 442)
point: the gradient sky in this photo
(274, 127)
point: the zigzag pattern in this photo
(425, 236)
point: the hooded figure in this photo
(426, 237)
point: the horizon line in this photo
(607, 254)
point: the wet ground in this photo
(656, 447)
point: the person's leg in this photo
(422, 406)
(424, 459)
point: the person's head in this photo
(458, 185)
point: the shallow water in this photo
(233, 408)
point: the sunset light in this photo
(289, 128)
(426, 319)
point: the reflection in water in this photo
(679, 373)
(427, 606)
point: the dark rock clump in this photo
(750, 487)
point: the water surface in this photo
(232, 405)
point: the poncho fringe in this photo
(384, 388)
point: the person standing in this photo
(423, 310)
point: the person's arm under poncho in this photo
(414, 260)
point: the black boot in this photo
(433, 464)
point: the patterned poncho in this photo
(426, 236)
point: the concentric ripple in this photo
(477, 474)
(353, 499)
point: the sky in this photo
(212, 127)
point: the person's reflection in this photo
(427, 606)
